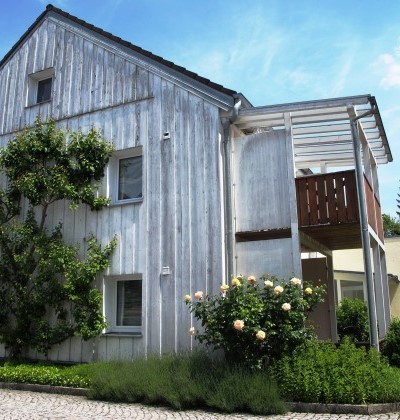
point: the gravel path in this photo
(20, 405)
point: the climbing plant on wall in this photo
(46, 290)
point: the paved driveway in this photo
(19, 405)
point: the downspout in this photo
(228, 188)
(373, 328)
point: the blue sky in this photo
(271, 51)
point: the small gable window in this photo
(44, 90)
(40, 86)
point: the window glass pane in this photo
(129, 303)
(44, 90)
(130, 178)
(352, 289)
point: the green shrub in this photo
(43, 374)
(391, 346)
(352, 319)
(252, 321)
(183, 382)
(47, 291)
(320, 372)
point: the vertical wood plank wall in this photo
(262, 203)
(178, 224)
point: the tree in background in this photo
(46, 290)
(391, 226)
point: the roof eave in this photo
(228, 94)
(15, 47)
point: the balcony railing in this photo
(327, 199)
(373, 209)
(331, 199)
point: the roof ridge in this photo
(133, 47)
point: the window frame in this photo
(33, 88)
(341, 277)
(110, 304)
(119, 155)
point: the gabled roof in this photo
(127, 44)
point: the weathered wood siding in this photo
(261, 182)
(179, 222)
(262, 203)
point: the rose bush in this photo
(256, 321)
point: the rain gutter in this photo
(227, 141)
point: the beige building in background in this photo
(350, 277)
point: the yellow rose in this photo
(188, 298)
(224, 288)
(192, 331)
(251, 279)
(236, 282)
(278, 290)
(198, 295)
(260, 335)
(286, 307)
(268, 283)
(308, 291)
(238, 325)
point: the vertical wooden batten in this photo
(178, 224)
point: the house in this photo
(350, 276)
(203, 185)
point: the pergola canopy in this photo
(321, 129)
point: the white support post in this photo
(294, 224)
(385, 286)
(373, 328)
(375, 182)
(379, 291)
(370, 163)
(331, 297)
(323, 167)
(367, 161)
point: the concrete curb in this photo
(297, 407)
(366, 409)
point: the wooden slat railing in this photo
(373, 210)
(332, 199)
(327, 199)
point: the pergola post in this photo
(366, 245)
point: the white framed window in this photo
(40, 86)
(351, 289)
(350, 284)
(123, 303)
(126, 176)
